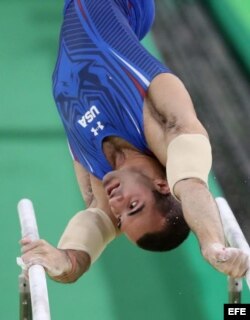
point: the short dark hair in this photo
(175, 230)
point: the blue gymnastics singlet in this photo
(102, 75)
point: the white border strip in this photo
(232, 230)
(37, 277)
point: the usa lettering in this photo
(89, 116)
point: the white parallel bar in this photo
(37, 277)
(232, 230)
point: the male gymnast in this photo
(141, 156)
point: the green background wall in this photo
(234, 18)
(126, 283)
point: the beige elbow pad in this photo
(90, 231)
(188, 156)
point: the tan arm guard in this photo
(90, 231)
(188, 156)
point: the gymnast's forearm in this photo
(79, 262)
(202, 215)
(200, 212)
(189, 161)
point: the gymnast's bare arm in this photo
(84, 182)
(168, 113)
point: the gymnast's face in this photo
(132, 201)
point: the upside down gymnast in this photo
(140, 154)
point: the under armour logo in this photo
(99, 127)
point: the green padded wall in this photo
(126, 283)
(234, 17)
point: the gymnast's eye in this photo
(133, 204)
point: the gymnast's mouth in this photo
(111, 189)
(111, 184)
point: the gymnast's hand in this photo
(231, 261)
(55, 261)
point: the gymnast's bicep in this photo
(84, 182)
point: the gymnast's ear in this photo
(161, 185)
